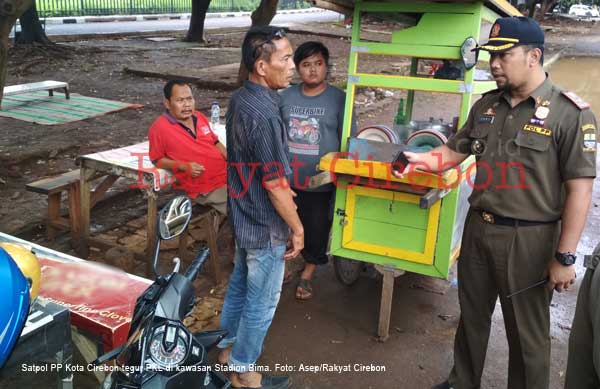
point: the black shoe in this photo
(272, 382)
(443, 385)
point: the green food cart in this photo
(412, 224)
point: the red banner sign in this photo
(101, 299)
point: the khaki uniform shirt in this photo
(525, 154)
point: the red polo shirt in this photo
(168, 138)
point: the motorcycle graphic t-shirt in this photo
(314, 128)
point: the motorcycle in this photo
(160, 352)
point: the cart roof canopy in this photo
(501, 7)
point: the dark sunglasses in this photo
(277, 34)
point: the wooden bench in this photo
(54, 187)
(48, 85)
(68, 182)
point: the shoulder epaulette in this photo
(578, 101)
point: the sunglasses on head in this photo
(277, 34)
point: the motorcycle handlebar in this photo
(196, 265)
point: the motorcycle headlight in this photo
(169, 345)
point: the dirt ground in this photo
(340, 322)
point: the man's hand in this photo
(560, 277)
(412, 158)
(439, 159)
(195, 169)
(296, 244)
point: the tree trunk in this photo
(531, 8)
(196, 30)
(10, 10)
(547, 6)
(261, 16)
(345, 9)
(31, 28)
(265, 12)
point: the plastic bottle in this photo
(400, 118)
(399, 123)
(215, 113)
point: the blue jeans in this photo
(250, 303)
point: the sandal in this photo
(304, 290)
(290, 274)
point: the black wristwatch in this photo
(565, 259)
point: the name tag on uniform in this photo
(486, 119)
(538, 130)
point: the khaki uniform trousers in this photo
(496, 260)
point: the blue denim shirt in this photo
(256, 152)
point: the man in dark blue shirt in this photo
(261, 206)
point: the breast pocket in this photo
(533, 151)
(532, 141)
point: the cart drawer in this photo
(390, 224)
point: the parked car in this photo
(582, 10)
(560, 9)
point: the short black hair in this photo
(168, 88)
(308, 49)
(528, 48)
(258, 44)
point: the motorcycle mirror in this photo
(469, 52)
(174, 218)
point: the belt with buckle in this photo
(491, 218)
(591, 261)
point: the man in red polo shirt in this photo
(182, 141)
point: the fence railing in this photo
(63, 8)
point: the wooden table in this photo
(132, 163)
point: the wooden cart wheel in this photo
(347, 271)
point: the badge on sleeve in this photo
(588, 127)
(589, 142)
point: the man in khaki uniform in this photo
(583, 367)
(535, 168)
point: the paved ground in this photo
(183, 25)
